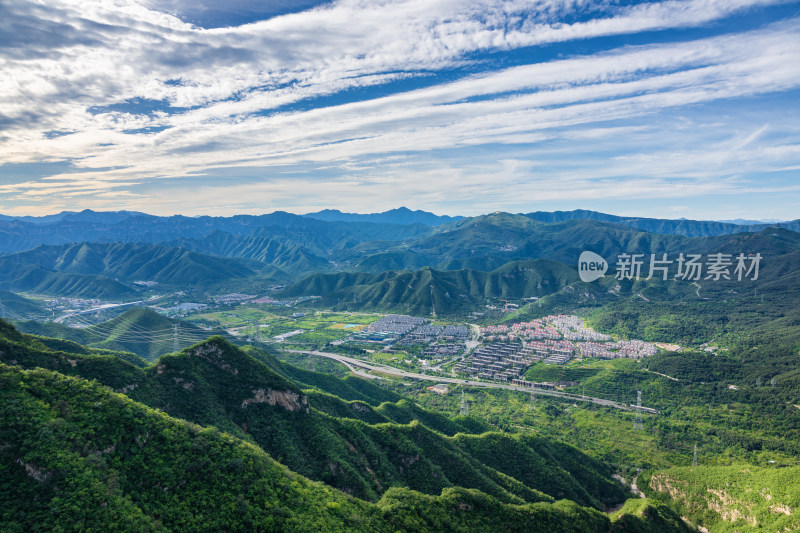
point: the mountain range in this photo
(247, 252)
(109, 460)
(401, 215)
(113, 426)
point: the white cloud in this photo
(104, 52)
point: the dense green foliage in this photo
(215, 383)
(393, 444)
(642, 515)
(740, 497)
(77, 456)
(454, 292)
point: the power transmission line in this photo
(638, 424)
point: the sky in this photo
(668, 109)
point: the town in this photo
(496, 352)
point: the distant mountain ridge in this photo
(747, 222)
(317, 236)
(87, 215)
(689, 228)
(401, 215)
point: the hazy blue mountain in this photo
(746, 222)
(690, 228)
(87, 215)
(401, 215)
(318, 236)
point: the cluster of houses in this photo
(554, 339)
(388, 329)
(552, 327)
(442, 341)
(500, 360)
(634, 349)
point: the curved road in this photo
(354, 364)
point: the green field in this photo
(319, 327)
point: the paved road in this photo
(350, 363)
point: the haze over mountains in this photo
(101, 255)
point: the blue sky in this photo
(675, 108)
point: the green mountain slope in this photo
(488, 241)
(100, 460)
(135, 262)
(278, 252)
(15, 307)
(26, 277)
(452, 292)
(731, 498)
(139, 330)
(215, 383)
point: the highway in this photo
(354, 364)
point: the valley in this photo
(393, 364)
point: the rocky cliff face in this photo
(289, 400)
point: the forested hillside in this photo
(99, 458)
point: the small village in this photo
(497, 352)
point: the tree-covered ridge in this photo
(113, 369)
(216, 384)
(279, 252)
(73, 269)
(690, 228)
(452, 292)
(76, 456)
